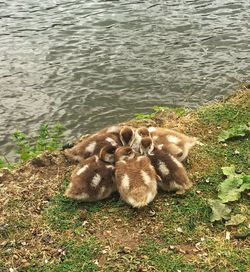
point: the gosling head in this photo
(146, 146)
(127, 136)
(107, 153)
(142, 132)
(124, 152)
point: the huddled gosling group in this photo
(134, 162)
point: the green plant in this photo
(2, 163)
(236, 131)
(45, 139)
(229, 190)
(150, 115)
(232, 187)
(144, 116)
(156, 108)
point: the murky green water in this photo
(89, 64)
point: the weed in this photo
(144, 116)
(150, 115)
(177, 111)
(236, 131)
(2, 163)
(46, 139)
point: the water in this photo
(89, 64)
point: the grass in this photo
(41, 230)
(79, 257)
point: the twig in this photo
(242, 235)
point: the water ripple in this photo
(92, 63)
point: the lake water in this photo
(89, 64)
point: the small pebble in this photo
(46, 239)
(179, 229)
(197, 246)
(227, 235)
(152, 213)
(85, 223)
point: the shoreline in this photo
(43, 231)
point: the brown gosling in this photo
(139, 134)
(175, 142)
(115, 130)
(135, 177)
(94, 180)
(172, 173)
(92, 146)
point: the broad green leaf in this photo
(236, 220)
(229, 189)
(237, 131)
(229, 171)
(219, 210)
(246, 183)
(246, 179)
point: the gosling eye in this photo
(112, 150)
